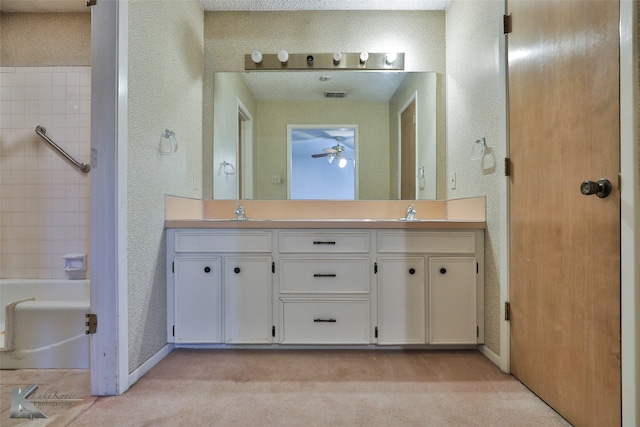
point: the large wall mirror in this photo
(394, 112)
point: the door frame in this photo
(245, 146)
(109, 72)
(412, 98)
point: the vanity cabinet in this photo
(198, 302)
(247, 299)
(401, 300)
(452, 300)
(265, 286)
(324, 287)
(221, 285)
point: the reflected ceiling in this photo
(311, 85)
(274, 5)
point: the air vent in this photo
(335, 94)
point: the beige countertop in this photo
(326, 224)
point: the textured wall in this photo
(271, 142)
(45, 39)
(230, 35)
(165, 92)
(473, 111)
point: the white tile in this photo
(85, 107)
(45, 92)
(17, 79)
(5, 121)
(58, 93)
(5, 93)
(17, 120)
(17, 93)
(58, 79)
(44, 107)
(72, 107)
(45, 79)
(31, 93)
(31, 79)
(16, 107)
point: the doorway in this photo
(408, 150)
(245, 152)
(322, 162)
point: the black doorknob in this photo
(412, 271)
(207, 269)
(443, 270)
(602, 188)
(236, 270)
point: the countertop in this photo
(325, 223)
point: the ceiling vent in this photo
(335, 94)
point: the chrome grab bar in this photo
(84, 167)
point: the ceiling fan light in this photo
(342, 163)
(330, 158)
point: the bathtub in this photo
(43, 324)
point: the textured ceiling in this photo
(249, 5)
(307, 86)
(266, 5)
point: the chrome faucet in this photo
(411, 213)
(239, 212)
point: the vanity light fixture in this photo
(283, 56)
(390, 58)
(364, 56)
(256, 57)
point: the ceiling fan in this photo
(332, 153)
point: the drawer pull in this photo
(320, 242)
(412, 271)
(236, 270)
(325, 275)
(324, 320)
(443, 270)
(207, 269)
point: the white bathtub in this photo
(44, 324)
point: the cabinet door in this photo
(401, 300)
(198, 300)
(247, 287)
(452, 300)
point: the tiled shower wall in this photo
(44, 200)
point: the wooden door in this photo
(408, 152)
(563, 73)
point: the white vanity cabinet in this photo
(221, 286)
(430, 287)
(398, 285)
(198, 303)
(324, 287)
(401, 300)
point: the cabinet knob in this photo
(443, 270)
(207, 269)
(412, 271)
(236, 270)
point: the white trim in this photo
(489, 354)
(150, 363)
(245, 137)
(108, 348)
(630, 218)
(413, 97)
(121, 200)
(504, 203)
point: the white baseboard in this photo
(489, 354)
(149, 363)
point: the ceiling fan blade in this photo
(315, 156)
(330, 150)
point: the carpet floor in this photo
(322, 388)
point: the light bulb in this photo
(342, 163)
(256, 57)
(364, 56)
(283, 56)
(391, 58)
(330, 158)
(337, 57)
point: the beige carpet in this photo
(322, 388)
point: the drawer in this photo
(222, 241)
(325, 321)
(453, 242)
(324, 275)
(324, 242)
